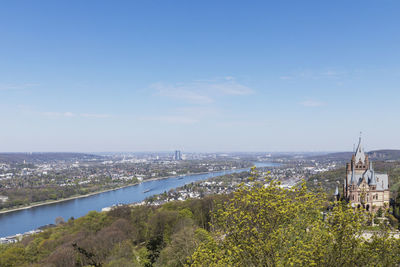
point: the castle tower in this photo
(362, 186)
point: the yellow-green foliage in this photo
(13, 256)
(272, 226)
(125, 236)
(259, 225)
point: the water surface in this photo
(28, 219)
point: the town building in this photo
(178, 155)
(363, 187)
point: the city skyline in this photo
(199, 76)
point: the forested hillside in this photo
(327, 181)
(375, 155)
(256, 226)
(125, 236)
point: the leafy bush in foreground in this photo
(271, 226)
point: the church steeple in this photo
(360, 159)
(360, 154)
(364, 187)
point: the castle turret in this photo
(353, 178)
(372, 182)
(363, 186)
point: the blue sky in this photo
(199, 75)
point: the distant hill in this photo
(376, 155)
(337, 156)
(385, 154)
(45, 157)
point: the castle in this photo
(363, 186)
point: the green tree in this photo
(272, 226)
(13, 256)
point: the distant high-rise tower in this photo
(178, 155)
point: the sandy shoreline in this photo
(99, 192)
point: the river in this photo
(21, 221)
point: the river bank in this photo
(42, 203)
(25, 219)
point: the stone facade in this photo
(363, 186)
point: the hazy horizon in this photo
(189, 152)
(199, 76)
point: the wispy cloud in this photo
(312, 103)
(185, 115)
(197, 98)
(231, 88)
(202, 91)
(171, 119)
(199, 111)
(71, 115)
(57, 114)
(20, 86)
(94, 115)
(182, 92)
(314, 75)
(243, 123)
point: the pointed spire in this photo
(359, 147)
(373, 178)
(360, 155)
